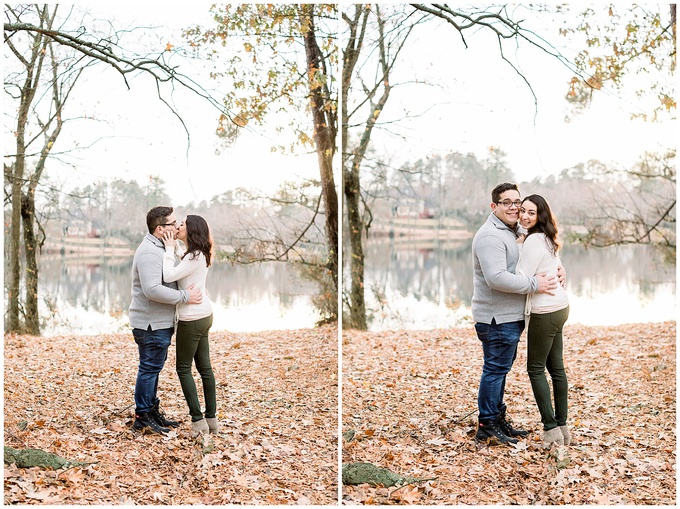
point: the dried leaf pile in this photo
(277, 407)
(410, 405)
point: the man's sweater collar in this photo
(155, 240)
(501, 225)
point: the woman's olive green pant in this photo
(544, 351)
(193, 346)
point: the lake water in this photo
(426, 284)
(414, 285)
(92, 296)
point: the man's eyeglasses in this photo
(173, 224)
(507, 203)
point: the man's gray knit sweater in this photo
(498, 292)
(153, 300)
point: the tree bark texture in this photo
(33, 66)
(31, 317)
(351, 179)
(324, 139)
(352, 164)
(24, 186)
(357, 309)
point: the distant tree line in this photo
(596, 203)
(247, 226)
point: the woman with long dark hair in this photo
(547, 315)
(195, 320)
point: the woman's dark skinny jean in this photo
(544, 351)
(193, 346)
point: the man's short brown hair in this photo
(500, 189)
(157, 216)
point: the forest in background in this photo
(592, 201)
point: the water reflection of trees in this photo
(637, 267)
(91, 284)
(429, 270)
(103, 285)
(439, 272)
(237, 285)
(442, 272)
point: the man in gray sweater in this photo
(152, 317)
(498, 308)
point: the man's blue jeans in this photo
(499, 343)
(153, 351)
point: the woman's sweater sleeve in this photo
(150, 280)
(182, 270)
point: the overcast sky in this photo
(474, 101)
(134, 135)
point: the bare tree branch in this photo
(104, 51)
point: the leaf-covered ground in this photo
(277, 406)
(409, 400)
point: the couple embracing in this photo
(516, 271)
(168, 292)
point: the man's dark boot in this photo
(507, 429)
(160, 418)
(489, 431)
(145, 420)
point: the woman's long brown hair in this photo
(545, 221)
(199, 239)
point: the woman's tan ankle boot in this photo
(553, 435)
(212, 424)
(565, 434)
(200, 426)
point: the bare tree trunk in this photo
(25, 212)
(352, 189)
(352, 162)
(324, 139)
(351, 180)
(673, 23)
(31, 317)
(31, 54)
(33, 67)
(13, 289)
(13, 323)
